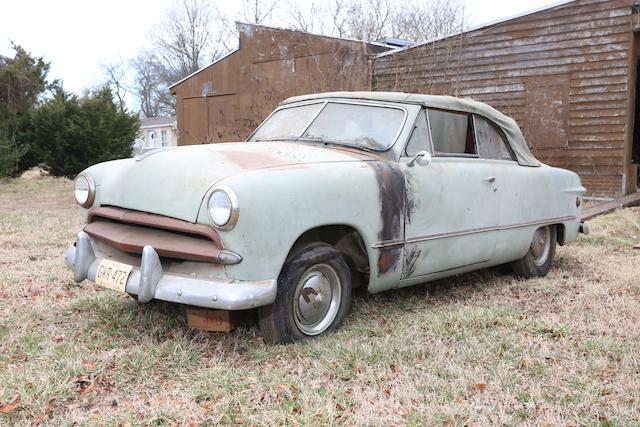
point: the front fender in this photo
(278, 205)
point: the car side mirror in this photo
(422, 158)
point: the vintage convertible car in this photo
(331, 192)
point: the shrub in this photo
(70, 133)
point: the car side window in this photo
(420, 139)
(491, 142)
(452, 134)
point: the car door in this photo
(514, 187)
(452, 209)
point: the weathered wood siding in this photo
(562, 73)
(227, 100)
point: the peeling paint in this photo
(410, 261)
(413, 202)
(392, 202)
(252, 160)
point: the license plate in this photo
(113, 275)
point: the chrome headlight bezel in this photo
(234, 209)
(91, 188)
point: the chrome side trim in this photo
(487, 229)
(388, 244)
(313, 119)
(395, 243)
(575, 190)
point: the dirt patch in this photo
(35, 172)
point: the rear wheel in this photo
(314, 296)
(538, 260)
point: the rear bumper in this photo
(584, 228)
(151, 282)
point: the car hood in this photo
(174, 181)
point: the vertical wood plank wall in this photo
(562, 73)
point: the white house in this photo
(159, 132)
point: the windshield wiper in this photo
(322, 141)
(339, 143)
(293, 138)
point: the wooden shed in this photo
(226, 100)
(566, 73)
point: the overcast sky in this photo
(77, 36)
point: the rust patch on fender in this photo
(250, 160)
(388, 259)
(392, 189)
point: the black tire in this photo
(316, 270)
(538, 260)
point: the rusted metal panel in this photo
(562, 73)
(156, 221)
(133, 238)
(194, 114)
(222, 117)
(227, 100)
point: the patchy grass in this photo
(482, 348)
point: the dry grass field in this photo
(479, 349)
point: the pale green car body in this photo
(411, 223)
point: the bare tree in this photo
(150, 85)
(308, 17)
(329, 18)
(189, 36)
(371, 20)
(192, 34)
(116, 74)
(338, 12)
(258, 11)
(428, 20)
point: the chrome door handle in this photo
(490, 179)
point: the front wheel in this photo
(314, 296)
(538, 260)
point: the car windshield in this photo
(372, 127)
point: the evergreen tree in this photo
(70, 133)
(22, 81)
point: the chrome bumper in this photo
(150, 282)
(584, 228)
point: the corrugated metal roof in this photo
(390, 41)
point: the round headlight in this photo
(223, 208)
(84, 190)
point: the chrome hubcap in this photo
(541, 245)
(317, 299)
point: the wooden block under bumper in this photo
(211, 320)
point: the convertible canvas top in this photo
(507, 124)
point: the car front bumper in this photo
(149, 282)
